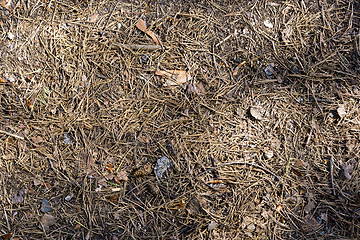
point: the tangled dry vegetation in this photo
(260, 122)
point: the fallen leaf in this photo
(347, 170)
(153, 189)
(299, 164)
(142, 27)
(286, 33)
(197, 88)
(275, 144)
(195, 206)
(93, 18)
(309, 207)
(77, 226)
(113, 198)
(255, 112)
(47, 221)
(122, 176)
(268, 153)
(350, 145)
(175, 77)
(37, 139)
(341, 111)
(310, 224)
(102, 181)
(2, 80)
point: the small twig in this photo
(227, 38)
(331, 162)
(12, 135)
(7, 220)
(242, 163)
(139, 47)
(112, 12)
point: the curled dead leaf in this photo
(142, 27)
(174, 77)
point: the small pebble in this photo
(268, 24)
(269, 70)
(67, 139)
(10, 36)
(11, 79)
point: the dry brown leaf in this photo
(37, 139)
(142, 27)
(275, 144)
(197, 88)
(309, 207)
(153, 189)
(195, 206)
(94, 17)
(153, 37)
(47, 221)
(144, 138)
(2, 80)
(77, 226)
(122, 176)
(310, 224)
(174, 77)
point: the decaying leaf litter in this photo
(254, 104)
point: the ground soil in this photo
(260, 124)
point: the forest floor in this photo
(180, 119)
